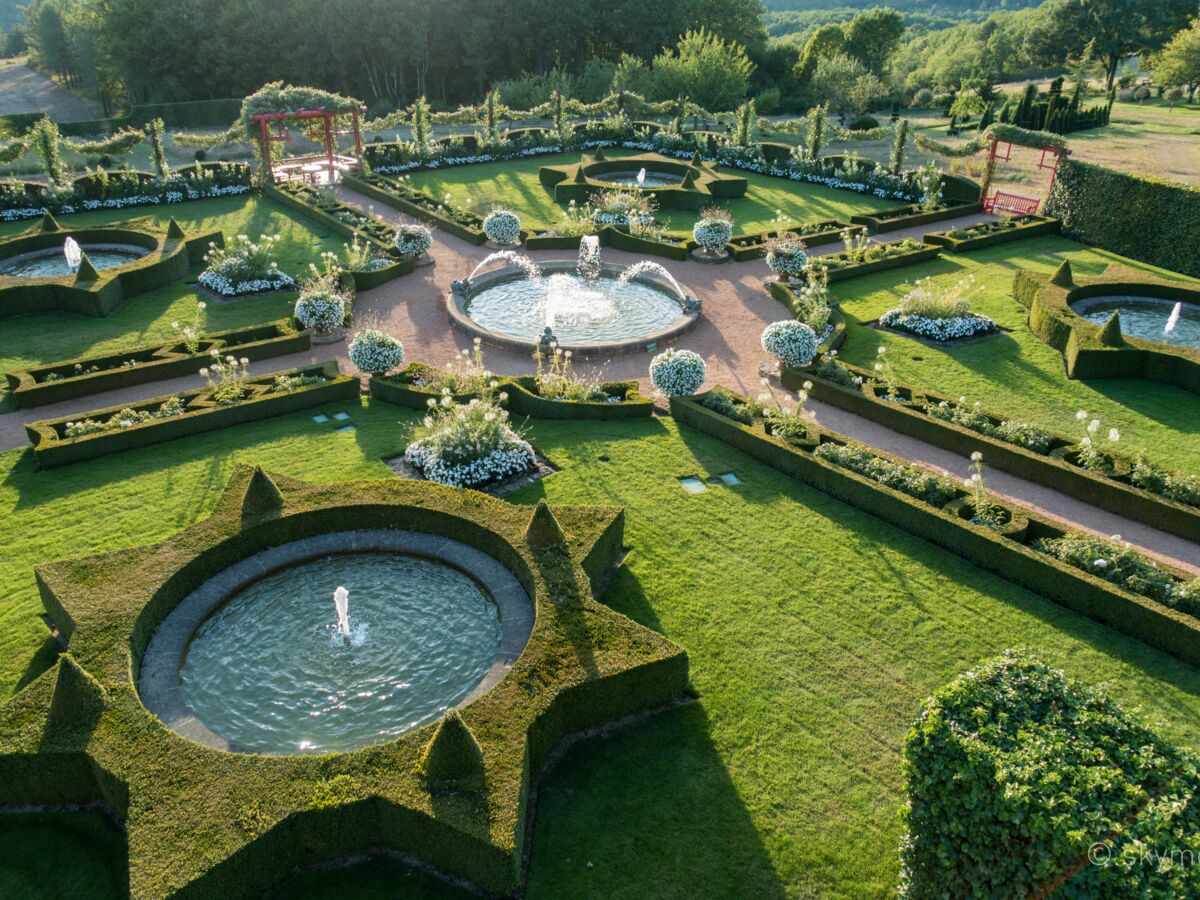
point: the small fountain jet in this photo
(72, 253)
(341, 604)
(1173, 319)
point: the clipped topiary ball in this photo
(794, 343)
(677, 373)
(374, 352)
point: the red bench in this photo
(1012, 203)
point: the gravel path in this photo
(22, 90)
(736, 309)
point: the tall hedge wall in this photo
(1147, 219)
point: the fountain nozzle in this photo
(341, 604)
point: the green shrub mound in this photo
(452, 759)
(262, 496)
(207, 823)
(701, 186)
(913, 215)
(1094, 351)
(544, 530)
(1014, 775)
(1127, 214)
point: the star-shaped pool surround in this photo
(204, 822)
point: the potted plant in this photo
(712, 231)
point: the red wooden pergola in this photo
(322, 125)
(1001, 201)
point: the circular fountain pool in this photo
(1145, 317)
(52, 263)
(614, 310)
(648, 179)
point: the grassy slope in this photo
(1016, 374)
(814, 631)
(27, 340)
(515, 184)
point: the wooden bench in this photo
(1012, 203)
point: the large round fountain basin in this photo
(651, 179)
(52, 263)
(269, 672)
(1146, 318)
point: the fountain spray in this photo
(341, 603)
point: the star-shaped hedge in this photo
(204, 822)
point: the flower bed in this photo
(989, 234)
(341, 218)
(244, 267)
(699, 186)
(941, 329)
(418, 204)
(171, 256)
(64, 380)
(879, 258)
(1007, 551)
(1023, 451)
(199, 413)
(914, 215)
(813, 234)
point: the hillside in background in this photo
(939, 7)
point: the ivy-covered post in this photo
(46, 141)
(816, 131)
(420, 123)
(158, 153)
(490, 117)
(899, 140)
(989, 170)
(560, 118)
(745, 128)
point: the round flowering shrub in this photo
(413, 241)
(469, 444)
(713, 230)
(503, 227)
(244, 267)
(374, 352)
(794, 343)
(320, 307)
(677, 373)
(787, 257)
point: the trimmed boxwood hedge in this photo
(923, 254)
(782, 291)
(154, 362)
(523, 399)
(612, 236)
(1137, 216)
(1078, 340)
(169, 259)
(51, 448)
(579, 181)
(1005, 554)
(263, 816)
(754, 246)
(417, 204)
(912, 216)
(1057, 472)
(989, 234)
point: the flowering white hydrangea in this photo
(787, 258)
(502, 226)
(793, 342)
(938, 329)
(374, 352)
(712, 232)
(677, 373)
(413, 241)
(469, 444)
(320, 310)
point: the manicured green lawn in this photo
(814, 630)
(28, 340)
(1016, 374)
(57, 855)
(515, 184)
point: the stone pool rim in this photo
(609, 178)
(1094, 302)
(137, 251)
(456, 308)
(158, 682)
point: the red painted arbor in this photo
(1003, 201)
(322, 128)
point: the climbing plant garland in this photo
(206, 141)
(115, 144)
(13, 150)
(158, 153)
(1024, 137)
(45, 138)
(899, 140)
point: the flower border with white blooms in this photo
(514, 458)
(503, 226)
(219, 284)
(678, 373)
(375, 352)
(794, 343)
(949, 329)
(413, 240)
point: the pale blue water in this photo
(52, 263)
(652, 180)
(269, 672)
(1148, 322)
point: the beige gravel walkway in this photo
(736, 309)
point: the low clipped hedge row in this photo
(1138, 216)
(70, 378)
(523, 399)
(814, 234)
(1114, 494)
(169, 259)
(580, 181)
(989, 234)
(782, 291)
(1086, 356)
(1003, 552)
(852, 270)
(913, 215)
(615, 237)
(263, 817)
(51, 447)
(419, 205)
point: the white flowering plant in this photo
(939, 311)
(190, 332)
(226, 377)
(244, 267)
(1091, 454)
(321, 305)
(469, 444)
(713, 230)
(502, 226)
(787, 256)
(375, 352)
(792, 342)
(677, 373)
(413, 240)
